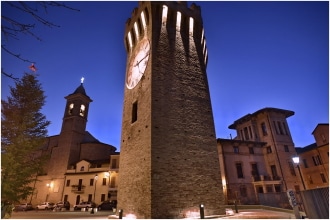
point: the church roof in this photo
(80, 90)
(89, 138)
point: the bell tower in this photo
(72, 133)
(76, 111)
(169, 162)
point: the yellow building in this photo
(314, 159)
(94, 181)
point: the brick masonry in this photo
(169, 162)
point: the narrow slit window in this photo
(134, 112)
(202, 36)
(205, 58)
(144, 23)
(178, 21)
(164, 15)
(191, 26)
(130, 40)
(136, 29)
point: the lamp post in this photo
(108, 174)
(95, 180)
(296, 161)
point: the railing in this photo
(265, 178)
(77, 188)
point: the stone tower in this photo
(72, 132)
(168, 163)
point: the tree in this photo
(13, 27)
(23, 133)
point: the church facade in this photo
(67, 151)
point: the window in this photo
(317, 160)
(130, 41)
(251, 150)
(280, 127)
(71, 108)
(305, 163)
(136, 29)
(264, 128)
(114, 163)
(65, 198)
(260, 189)
(164, 15)
(82, 110)
(286, 148)
(239, 170)
(67, 182)
(291, 167)
(104, 181)
(134, 112)
(246, 133)
(91, 182)
(90, 197)
(250, 130)
(113, 182)
(178, 21)
(323, 178)
(236, 150)
(80, 185)
(274, 172)
(277, 188)
(269, 150)
(102, 197)
(269, 188)
(144, 23)
(82, 168)
(255, 170)
(275, 127)
(191, 26)
(285, 130)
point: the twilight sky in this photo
(261, 54)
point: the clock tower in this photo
(169, 162)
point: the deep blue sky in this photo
(261, 54)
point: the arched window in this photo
(191, 26)
(164, 15)
(144, 22)
(71, 108)
(136, 30)
(82, 168)
(82, 110)
(178, 21)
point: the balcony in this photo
(78, 189)
(262, 178)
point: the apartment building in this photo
(259, 158)
(314, 159)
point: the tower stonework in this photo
(169, 163)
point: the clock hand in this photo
(138, 62)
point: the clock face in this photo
(138, 63)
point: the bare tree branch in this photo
(11, 27)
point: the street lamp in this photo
(95, 178)
(296, 161)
